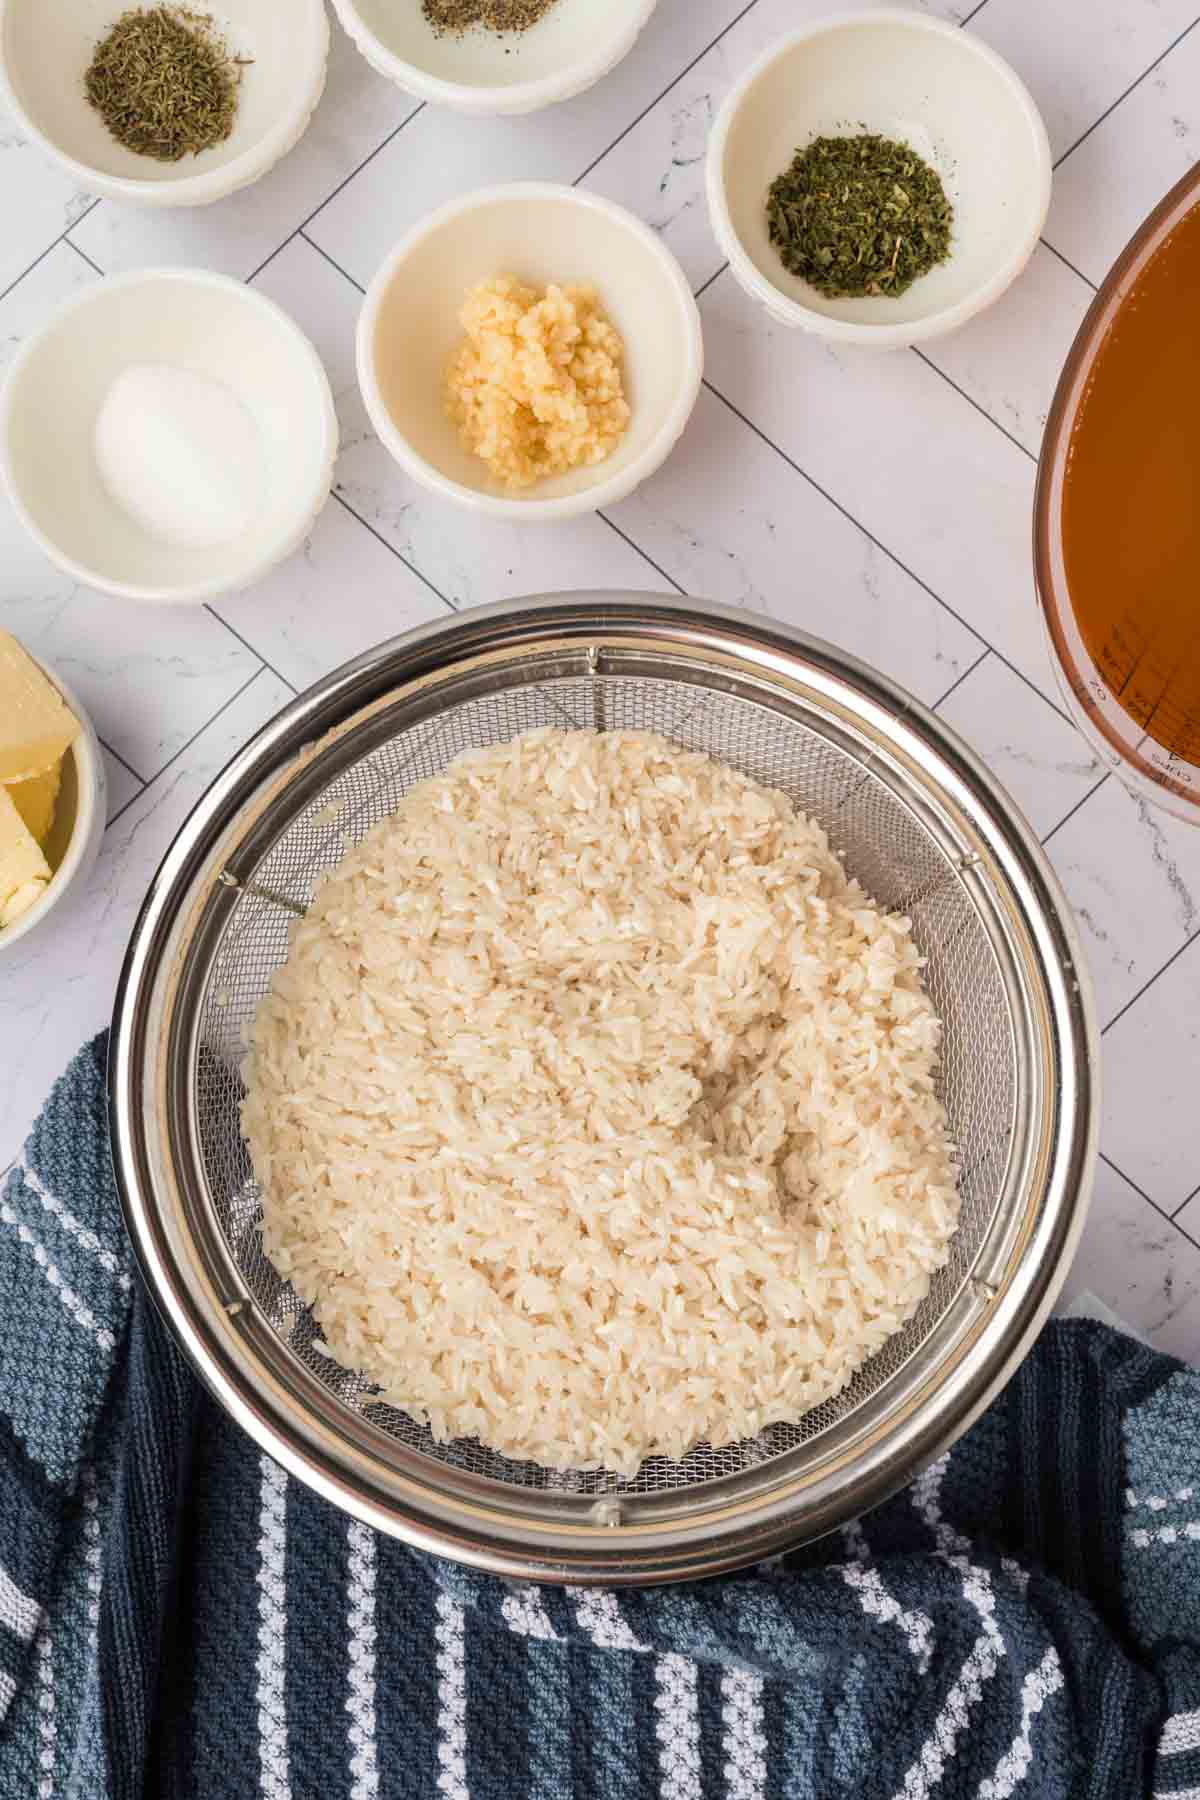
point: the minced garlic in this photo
(536, 388)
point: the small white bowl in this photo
(540, 233)
(188, 319)
(79, 819)
(577, 43)
(47, 45)
(904, 76)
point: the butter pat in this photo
(24, 871)
(36, 727)
(36, 799)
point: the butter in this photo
(36, 799)
(36, 727)
(24, 871)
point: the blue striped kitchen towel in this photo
(178, 1618)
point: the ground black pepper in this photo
(457, 16)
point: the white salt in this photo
(181, 455)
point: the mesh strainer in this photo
(915, 817)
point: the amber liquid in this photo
(1131, 500)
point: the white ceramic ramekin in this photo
(905, 76)
(570, 49)
(184, 318)
(540, 233)
(45, 49)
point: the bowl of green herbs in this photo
(878, 178)
(163, 104)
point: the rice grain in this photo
(594, 1107)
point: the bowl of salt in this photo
(168, 436)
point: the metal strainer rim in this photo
(932, 1399)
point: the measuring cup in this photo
(1135, 694)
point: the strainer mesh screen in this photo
(882, 842)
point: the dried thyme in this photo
(457, 16)
(164, 83)
(859, 215)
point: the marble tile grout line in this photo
(331, 260)
(1068, 264)
(881, 546)
(1074, 809)
(705, 285)
(247, 645)
(891, 554)
(926, 356)
(53, 245)
(398, 554)
(659, 98)
(1187, 1201)
(1143, 1195)
(333, 194)
(83, 256)
(123, 760)
(270, 258)
(982, 410)
(644, 554)
(1146, 986)
(959, 679)
(355, 173)
(184, 748)
(1124, 95)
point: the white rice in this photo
(594, 1106)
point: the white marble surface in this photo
(882, 502)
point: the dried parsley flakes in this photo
(164, 83)
(859, 215)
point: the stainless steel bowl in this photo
(916, 818)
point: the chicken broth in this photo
(1131, 500)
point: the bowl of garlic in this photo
(530, 351)
(52, 793)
